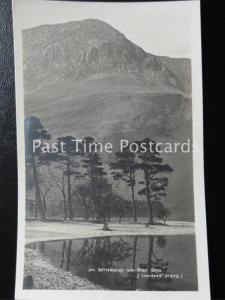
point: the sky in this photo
(161, 28)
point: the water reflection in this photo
(128, 263)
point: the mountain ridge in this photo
(94, 47)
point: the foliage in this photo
(124, 169)
(79, 175)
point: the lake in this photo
(128, 262)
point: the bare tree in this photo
(61, 185)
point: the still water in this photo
(128, 262)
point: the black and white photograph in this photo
(110, 151)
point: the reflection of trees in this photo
(41, 247)
(161, 241)
(154, 262)
(134, 252)
(102, 253)
(114, 253)
(99, 253)
(63, 254)
(66, 255)
(132, 276)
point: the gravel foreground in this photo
(39, 273)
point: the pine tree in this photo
(34, 130)
(124, 168)
(92, 163)
(151, 165)
(71, 165)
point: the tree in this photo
(91, 161)
(105, 198)
(120, 207)
(61, 185)
(34, 130)
(160, 211)
(159, 185)
(151, 165)
(124, 168)
(83, 195)
(164, 214)
(44, 190)
(68, 157)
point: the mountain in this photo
(83, 49)
(86, 78)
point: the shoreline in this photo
(44, 230)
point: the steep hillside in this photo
(86, 78)
(91, 48)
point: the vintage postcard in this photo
(110, 150)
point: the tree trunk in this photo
(38, 192)
(148, 196)
(64, 200)
(151, 213)
(133, 199)
(97, 213)
(98, 218)
(36, 206)
(69, 191)
(86, 213)
(44, 209)
(105, 226)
